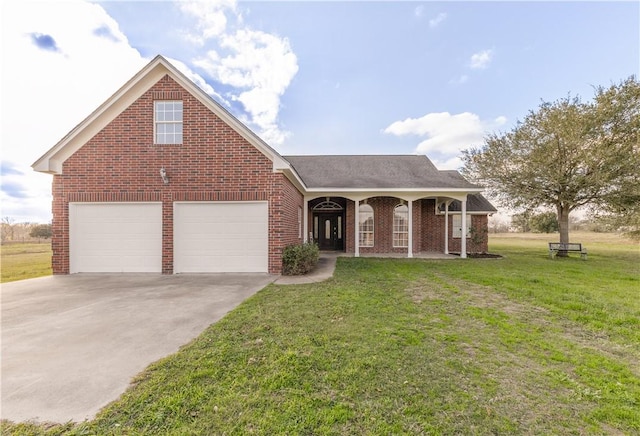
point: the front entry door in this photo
(330, 232)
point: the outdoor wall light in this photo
(163, 175)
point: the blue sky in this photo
(309, 77)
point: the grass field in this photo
(25, 261)
(518, 345)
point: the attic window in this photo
(168, 122)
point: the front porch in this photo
(381, 225)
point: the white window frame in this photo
(299, 222)
(168, 117)
(366, 234)
(456, 226)
(400, 235)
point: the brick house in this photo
(161, 178)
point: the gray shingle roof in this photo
(475, 203)
(375, 172)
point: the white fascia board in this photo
(293, 177)
(440, 191)
(409, 193)
(282, 165)
(405, 194)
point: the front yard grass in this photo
(21, 261)
(519, 345)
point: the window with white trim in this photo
(366, 225)
(457, 226)
(167, 115)
(299, 222)
(401, 226)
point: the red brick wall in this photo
(433, 232)
(417, 226)
(428, 228)
(480, 224)
(121, 163)
(383, 226)
(283, 220)
(478, 243)
(349, 227)
(433, 227)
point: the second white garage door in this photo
(221, 237)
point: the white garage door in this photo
(221, 237)
(115, 237)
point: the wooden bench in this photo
(574, 247)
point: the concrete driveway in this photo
(71, 344)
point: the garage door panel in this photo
(115, 237)
(221, 237)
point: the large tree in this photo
(566, 154)
(619, 115)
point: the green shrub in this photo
(299, 259)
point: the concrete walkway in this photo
(323, 271)
(71, 344)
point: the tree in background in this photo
(497, 224)
(7, 228)
(566, 154)
(521, 222)
(544, 222)
(40, 231)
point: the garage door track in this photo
(71, 344)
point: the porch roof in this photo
(375, 172)
(475, 203)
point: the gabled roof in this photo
(309, 173)
(376, 172)
(52, 160)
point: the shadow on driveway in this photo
(71, 344)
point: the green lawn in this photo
(519, 345)
(21, 261)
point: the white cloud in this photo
(418, 11)
(481, 60)
(45, 93)
(435, 22)
(212, 18)
(451, 163)
(259, 65)
(446, 134)
(198, 80)
(61, 60)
